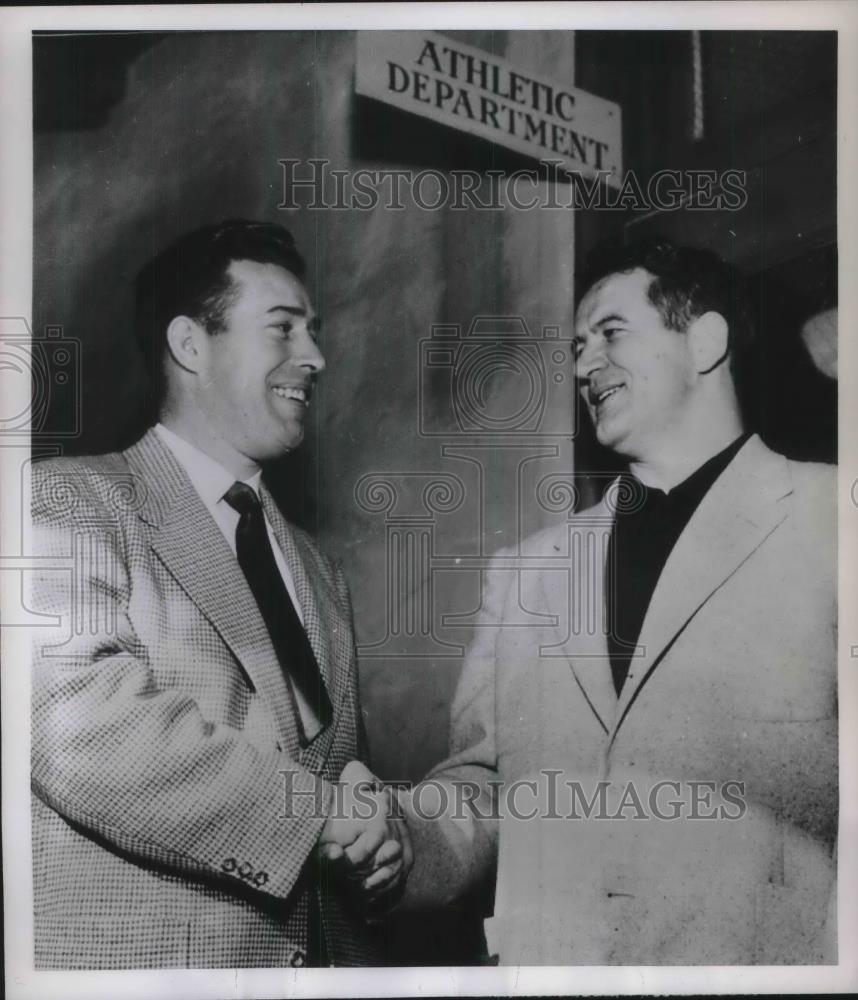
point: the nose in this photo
(309, 356)
(591, 359)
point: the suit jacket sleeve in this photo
(137, 765)
(452, 815)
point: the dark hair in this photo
(686, 283)
(190, 278)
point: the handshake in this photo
(364, 843)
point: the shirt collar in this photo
(208, 477)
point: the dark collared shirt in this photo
(641, 541)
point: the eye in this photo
(285, 327)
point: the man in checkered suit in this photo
(184, 785)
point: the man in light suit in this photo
(197, 732)
(652, 767)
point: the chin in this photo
(287, 437)
(607, 437)
(274, 450)
(287, 447)
(615, 442)
(291, 442)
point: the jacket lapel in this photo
(733, 519)
(189, 543)
(590, 663)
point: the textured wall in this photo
(197, 138)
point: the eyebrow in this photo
(611, 318)
(292, 310)
(313, 323)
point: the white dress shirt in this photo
(211, 481)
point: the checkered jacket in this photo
(174, 813)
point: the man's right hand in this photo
(362, 840)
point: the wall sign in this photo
(474, 91)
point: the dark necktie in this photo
(288, 637)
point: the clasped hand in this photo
(363, 840)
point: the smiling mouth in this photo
(598, 398)
(291, 392)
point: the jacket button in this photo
(245, 871)
(229, 865)
(261, 879)
(298, 959)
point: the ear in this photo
(708, 341)
(185, 342)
